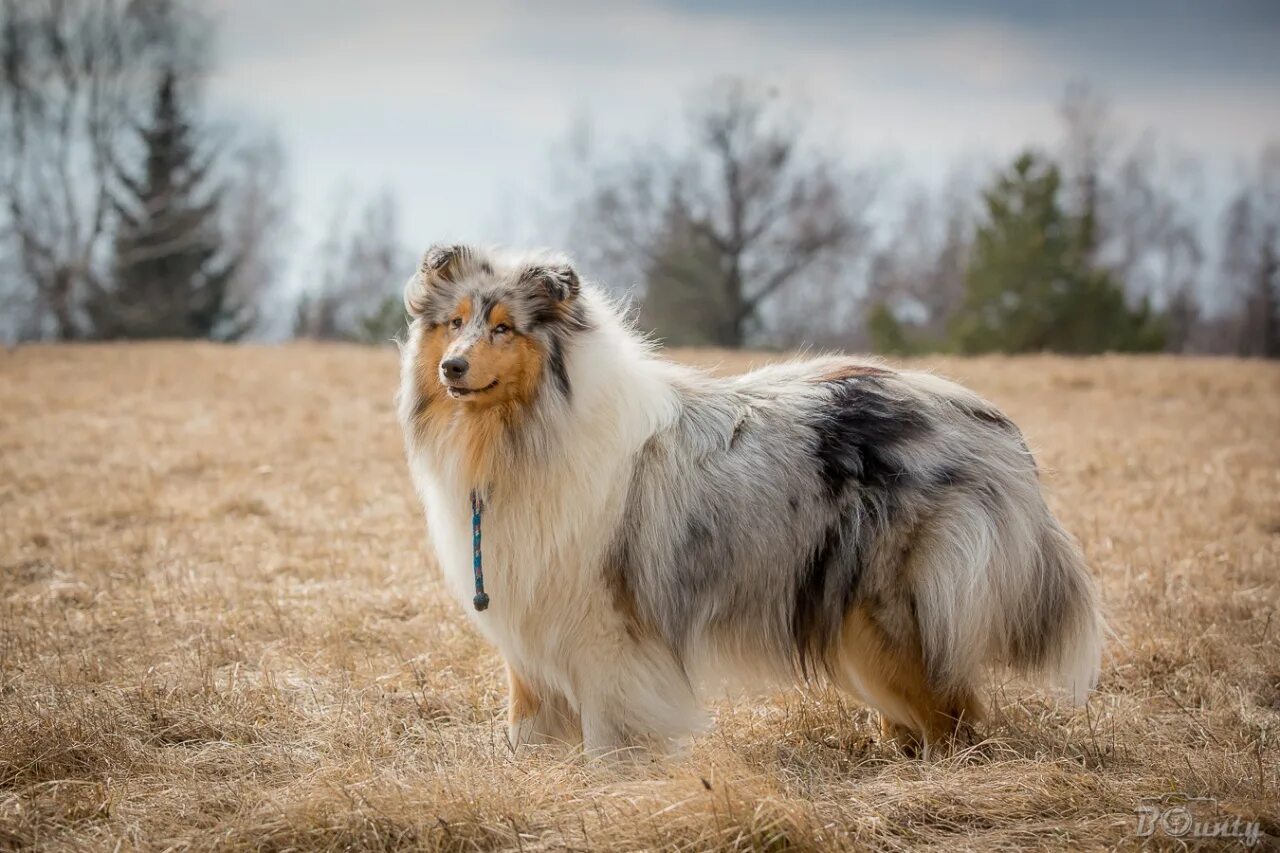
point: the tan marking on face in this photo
(500, 314)
(476, 425)
(511, 360)
(434, 401)
(518, 366)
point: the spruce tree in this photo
(1031, 285)
(170, 277)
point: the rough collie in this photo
(653, 534)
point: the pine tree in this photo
(171, 278)
(888, 334)
(388, 322)
(1031, 286)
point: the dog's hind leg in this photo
(538, 716)
(880, 661)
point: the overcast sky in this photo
(456, 106)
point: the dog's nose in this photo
(454, 368)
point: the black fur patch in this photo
(738, 426)
(697, 535)
(857, 432)
(857, 435)
(569, 318)
(556, 364)
(990, 416)
(810, 624)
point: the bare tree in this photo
(1154, 240)
(255, 211)
(918, 274)
(722, 227)
(1135, 209)
(1090, 138)
(76, 74)
(357, 270)
(1251, 258)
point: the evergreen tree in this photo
(171, 277)
(1030, 285)
(888, 334)
(386, 323)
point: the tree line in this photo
(126, 211)
(748, 234)
(122, 215)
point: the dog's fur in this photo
(653, 533)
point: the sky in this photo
(455, 107)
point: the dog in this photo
(653, 534)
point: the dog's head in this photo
(493, 327)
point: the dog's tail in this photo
(1057, 631)
(1011, 590)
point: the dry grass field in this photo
(220, 626)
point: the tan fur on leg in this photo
(891, 677)
(535, 718)
(522, 702)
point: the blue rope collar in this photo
(481, 601)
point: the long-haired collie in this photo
(650, 534)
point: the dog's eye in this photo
(501, 329)
(455, 323)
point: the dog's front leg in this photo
(538, 716)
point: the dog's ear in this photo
(441, 266)
(556, 280)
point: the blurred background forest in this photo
(130, 208)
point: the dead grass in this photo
(219, 627)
